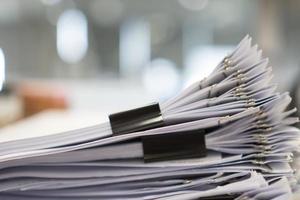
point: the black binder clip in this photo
(173, 146)
(137, 119)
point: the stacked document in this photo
(228, 136)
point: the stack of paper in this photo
(228, 136)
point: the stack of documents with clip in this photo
(228, 136)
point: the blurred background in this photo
(91, 58)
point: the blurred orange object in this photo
(37, 97)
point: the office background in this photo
(105, 55)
